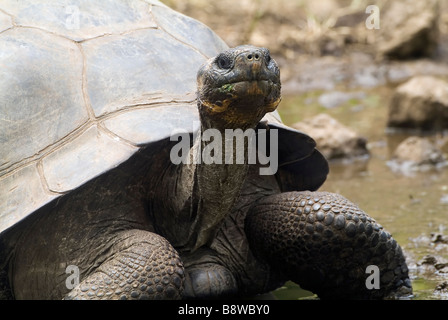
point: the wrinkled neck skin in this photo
(216, 186)
(213, 188)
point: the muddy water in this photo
(408, 206)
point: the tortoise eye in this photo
(223, 62)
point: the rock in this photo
(432, 264)
(334, 140)
(420, 103)
(439, 238)
(443, 286)
(409, 29)
(418, 150)
(441, 267)
(429, 260)
(442, 289)
(416, 154)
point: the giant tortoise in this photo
(106, 191)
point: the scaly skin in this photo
(325, 243)
(145, 267)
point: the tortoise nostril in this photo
(253, 56)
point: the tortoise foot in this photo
(144, 266)
(327, 245)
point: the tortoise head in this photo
(238, 87)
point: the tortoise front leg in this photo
(142, 265)
(324, 243)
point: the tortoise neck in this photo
(197, 193)
(220, 169)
